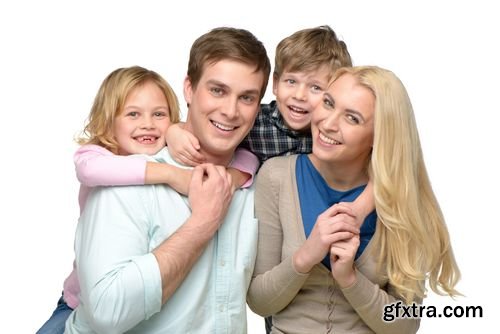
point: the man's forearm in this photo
(177, 255)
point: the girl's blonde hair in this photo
(411, 233)
(110, 100)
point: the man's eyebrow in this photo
(223, 85)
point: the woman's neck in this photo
(341, 176)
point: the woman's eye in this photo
(353, 119)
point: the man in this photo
(153, 261)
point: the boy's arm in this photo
(364, 204)
(183, 145)
(243, 168)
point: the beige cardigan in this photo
(312, 302)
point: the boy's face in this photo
(298, 94)
(223, 107)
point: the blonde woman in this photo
(316, 270)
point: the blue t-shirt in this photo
(316, 196)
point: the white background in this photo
(54, 55)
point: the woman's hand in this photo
(335, 224)
(342, 255)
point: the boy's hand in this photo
(183, 146)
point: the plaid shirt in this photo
(270, 136)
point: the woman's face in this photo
(342, 124)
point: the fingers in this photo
(338, 237)
(344, 249)
(339, 208)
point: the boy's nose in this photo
(300, 93)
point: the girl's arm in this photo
(97, 166)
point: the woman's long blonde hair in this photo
(111, 98)
(411, 234)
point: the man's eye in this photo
(248, 99)
(216, 90)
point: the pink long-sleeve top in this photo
(96, 166)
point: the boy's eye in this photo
(290, 81)
(316, 89)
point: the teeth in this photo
(143, 139)
(223, 127)
(328, 140)
(299, 110)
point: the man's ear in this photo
(188, 90)
(275, 83)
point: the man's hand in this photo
(210, 194)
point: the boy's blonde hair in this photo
(411, 233)
(110, 100)
(308, 49)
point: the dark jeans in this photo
(57, 321)
(269, 324)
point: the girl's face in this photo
(141, 126)
(342, 125)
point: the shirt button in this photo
(222, 263)
(221, 307)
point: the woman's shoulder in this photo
(280, 162)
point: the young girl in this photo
(128, 120)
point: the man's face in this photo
(223, 107)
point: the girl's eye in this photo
(133, 114)
(160, 114)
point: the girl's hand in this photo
(183, 145)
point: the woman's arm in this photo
(274, 282)
(371, 302)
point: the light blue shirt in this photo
(119, 276)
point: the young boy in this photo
(304, 63)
